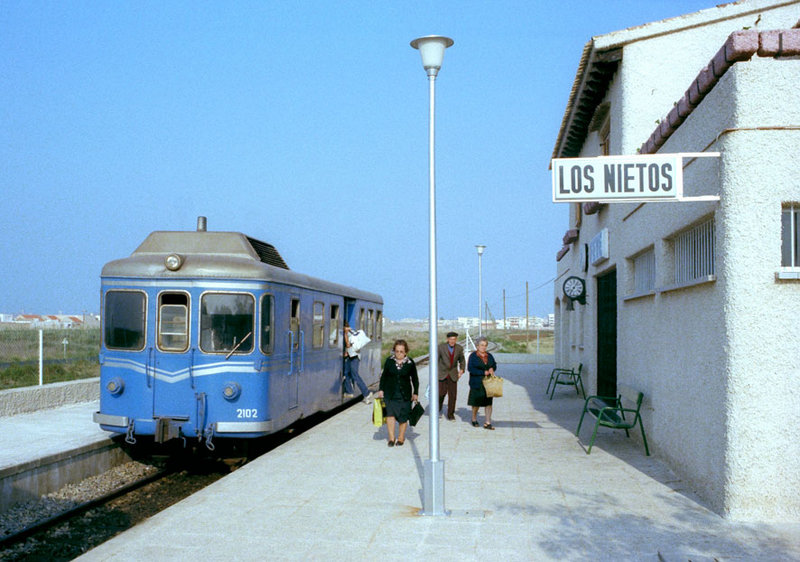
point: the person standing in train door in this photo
(352, 359)
(451, 366)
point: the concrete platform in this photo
(44, 450)
(527, 491)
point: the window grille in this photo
(790, 236)
(644, 272)
(694, 253)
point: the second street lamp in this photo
(480, 248)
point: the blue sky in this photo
(303, 124)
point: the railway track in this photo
(45, 524)
(70, 533)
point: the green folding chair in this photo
(569, 377)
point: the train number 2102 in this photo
(247, 413)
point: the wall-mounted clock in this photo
(575, 289)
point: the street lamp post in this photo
(431, 49)
(480, 248)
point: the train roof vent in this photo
(267, 253)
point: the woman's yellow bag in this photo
(378, 412)
(493, 385)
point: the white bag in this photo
(358, 339)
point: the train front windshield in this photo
(124, 317)
(227, 321)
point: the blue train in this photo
(210, 335)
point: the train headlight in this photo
(173, 262)
(115, 385)
(231, 390)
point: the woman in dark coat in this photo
(399, 387)
(481, 364)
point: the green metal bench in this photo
(569, 377)
(610, 412)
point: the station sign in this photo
(623, 179)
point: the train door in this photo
(351, 320)
(172, 376)
(296, 337)
(349, 312)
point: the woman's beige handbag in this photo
(493, 385)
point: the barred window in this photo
(790, 236)
(694, 253)
(318, 327)
(378, 325)
(370, 324)
(267, 320)
(334, 326)
(644, 272)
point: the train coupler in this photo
(168, 429)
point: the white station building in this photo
(695, 302)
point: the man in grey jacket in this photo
(451, 367)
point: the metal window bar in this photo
(790, 237)
(694, 253)
(795, 214)
(644, 272)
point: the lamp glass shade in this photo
(431, 49)
(480, 248)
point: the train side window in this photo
(370, 325)
(379, 324)
(361, 320)
(226, 322)
(318, 327)
(124, 318)
(267, 305)
(294, 322)
(333, 326)
(173, 321)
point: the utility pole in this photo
(527, 317)
(505, 319)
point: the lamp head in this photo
(431, 48)
(480, 248)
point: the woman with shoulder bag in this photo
(399, 387)
(481, 364)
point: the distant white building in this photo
(696, 303)
(468, 322)
(53, 321)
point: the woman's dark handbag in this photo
(416, 413)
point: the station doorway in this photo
(607, 334)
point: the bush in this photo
(19, 375)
